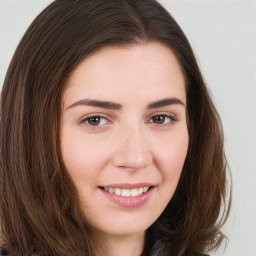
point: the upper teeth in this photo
(127, 192)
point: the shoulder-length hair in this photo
(39, 206)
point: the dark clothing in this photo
(3, 252)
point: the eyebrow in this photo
(165, 102)
(117, 106)
(97, 103)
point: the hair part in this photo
(39, 205)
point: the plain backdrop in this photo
(223, 36)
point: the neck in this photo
(125, 245)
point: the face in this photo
(124, 135)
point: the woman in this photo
(110, 144)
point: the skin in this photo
(131, 144)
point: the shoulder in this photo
(3, 252)
(201, 254)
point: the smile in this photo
(128, 195)
(127, 192)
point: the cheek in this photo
(82, 158)
(171, 156)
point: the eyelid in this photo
(164, 113)
(93, 115)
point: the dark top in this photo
(3, 252)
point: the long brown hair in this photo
(39, 207)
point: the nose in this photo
(132, 150)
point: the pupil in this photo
(94, 120)
(159, 119)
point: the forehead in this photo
(142, 71)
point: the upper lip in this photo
(129, 185)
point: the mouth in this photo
(125, 192)
(128, 195)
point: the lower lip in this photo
(129, 201)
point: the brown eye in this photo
(94, 120)
(158, 119)
(162, 119)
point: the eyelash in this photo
(85, 121)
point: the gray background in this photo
(223, 35)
